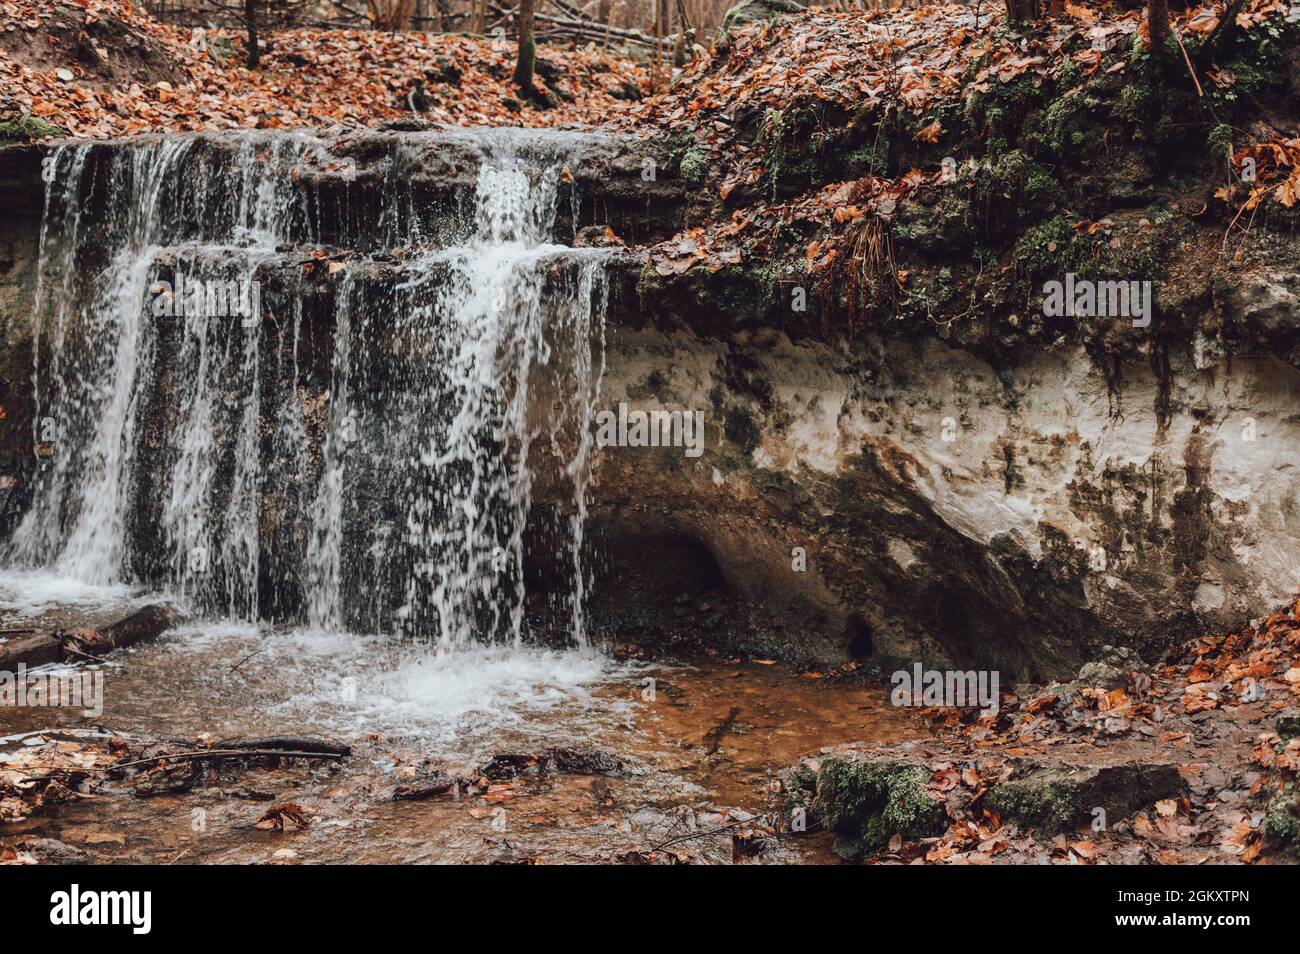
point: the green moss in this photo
(1257, 67)
(1219, 142)
(945, 226)
(1281, 823)
(27, 129)
(793, 141)
(930, 297)
(695, 163)
(1047, 806)
(1062, 128)
(1053, 248)
(1002, 109)
(1138, 101)
(870, 158)
(1011, 190)
(867, 802)
(1071, 75)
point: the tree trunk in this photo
(250, 20)
(1018, 11)
(604, 13)
(527, 47)
(1158, 25)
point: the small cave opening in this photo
(646, 582)
(858, 637)
(653, 570)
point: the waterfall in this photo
(276, 401)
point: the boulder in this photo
(1062, 797)
(867, 799)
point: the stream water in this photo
(346, 534)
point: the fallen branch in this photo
(223, 754)
(46, 646)
(288, 743)
(1191, 71)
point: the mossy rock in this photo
(28, 129)
(1282, 822)
(947, 226)
(1064, 128)
(695, 163)
(1057, 799)
(1011, 190)
(866, 801)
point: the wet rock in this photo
(1267, 305)
(1058, 798)
(584, 761)
(867, 799)
(564, 760)
(596, 236)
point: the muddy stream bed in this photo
(701, 744)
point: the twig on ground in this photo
(225, 754)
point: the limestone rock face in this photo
(908, 500)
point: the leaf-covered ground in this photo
(1212, 707)
(99, 69)
(818, 126)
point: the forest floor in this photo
(1192, 760)
(100, 68)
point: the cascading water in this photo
(194, 437)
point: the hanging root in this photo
(862, 277)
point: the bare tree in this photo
(392, 15)
(254, 52)
(527, 46)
